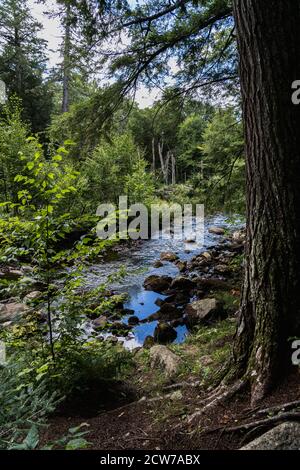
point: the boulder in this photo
(157, 283)
(225, 258)
(286, 436)
(216, 230)
(206, 255)
(100, 322)
(169, 311)
(11, 274)
(164, 333)
(119, 328)
(161, 356)
(31, 284)
(181, 265)
(182, 298)
(159, 302)
(127, 311)
(32, 295)
(133, 320)
(177, 322)
(42, 315)
(190, 239)
(203, 311)
(198, 294)
(198, 263)
(235, 247)
(12, 311)
(148, 342)
(207, 285)
(27, 269)
(158, 264)
(166, 300)
(239, 236)
(168, 256)
(222, 269)
(182, 283)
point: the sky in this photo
(52, 33)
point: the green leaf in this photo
(19, 178)
(69, 142)
(30, 442)
(43, 368)
(32, 438)
(78, 443)
(62, 150)
(78, 428)
(21, 446)
(86, 240)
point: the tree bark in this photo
(173, 161)
(66, 62)
(18, 68)
(153, 155)
(164, 161)
(268, 36)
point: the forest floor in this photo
(149, 409)
(159, 422)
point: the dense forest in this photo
(126, 342)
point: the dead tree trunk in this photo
(153, 155)
(164, 161)
(173, 162)
(66, 62)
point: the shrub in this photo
(24, 401)
(139, 185)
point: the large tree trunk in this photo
(268, 33)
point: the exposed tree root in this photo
(283, 407)
(249, 435)
(289, 416)
(220, 395)
(134, 403)
(182, 385)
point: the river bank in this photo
(157, 403)
(158, 406)
(162, 277)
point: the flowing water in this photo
(138, 262)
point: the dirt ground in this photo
(119, 418)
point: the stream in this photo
(138, 262)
